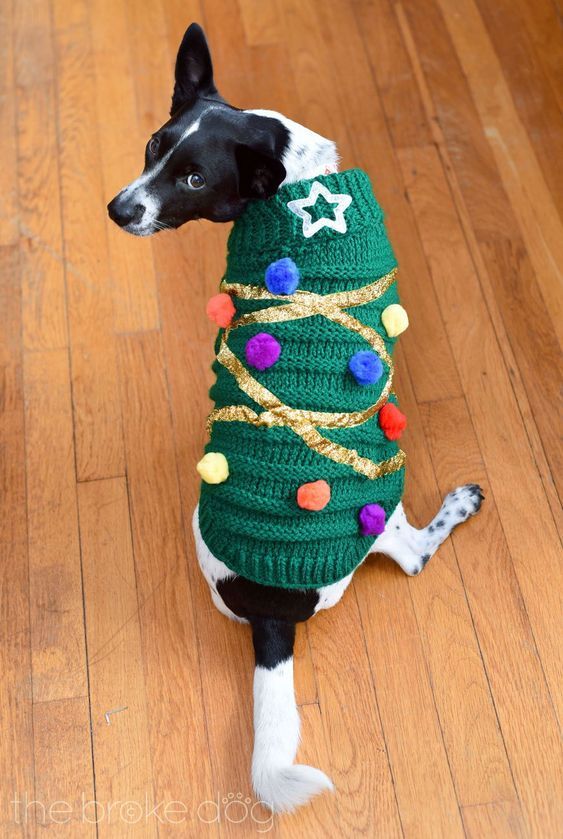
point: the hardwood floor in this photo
(433, 702)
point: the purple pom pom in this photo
(262, 351)
(372, 520)
(282, 277)
(366, 367)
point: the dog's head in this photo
(208, 160)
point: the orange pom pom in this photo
(221, 309)
(392, 421)
(313, 496)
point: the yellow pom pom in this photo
(394, 319)
(213, 468)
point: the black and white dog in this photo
(208, 161)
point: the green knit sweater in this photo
(252, 521)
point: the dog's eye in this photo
(195, 180)
(153, 146)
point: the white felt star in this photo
(311, 227)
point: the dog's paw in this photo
(463, 502)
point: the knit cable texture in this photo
(252, 521)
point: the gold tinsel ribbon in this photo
(304, 304)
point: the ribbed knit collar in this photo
(329, 259)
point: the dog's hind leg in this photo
(412, 548)
(279, 783)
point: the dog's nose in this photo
(124, 213)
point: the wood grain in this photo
(514, 669)
(133, 283)
(177, 729)
(65, 802)
(99, 442)
(433, 703)
(492, 222)
(522, 503)
(539, 221)
(55, 595)
(41, 241)
(115, 661)
(16, 751)
(9, 223)
(16, 755)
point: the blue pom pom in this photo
(366, 367)
(282, 277)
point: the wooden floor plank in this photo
(368, 794)
(451, 644)
(16, 744)
(405, 116)
(64, 794)
(499, 277)
(521, 500)
(9, 221)
(16, 749)
(135, 304)
(115, 662)
(496, 820)
(260, 21)
(425, 790)
(507, 643)
(544, 25)
(494, 222)
(172, 674)
(503, 251)
(540, 225)
(534, 100)
(57, 617)
(42, 250)
(99, 445)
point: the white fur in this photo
(277, 781)
(330, 595)
(308, 154)
(212, 569)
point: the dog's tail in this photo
(278, 782)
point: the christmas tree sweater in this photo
(302, 469)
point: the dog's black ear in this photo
(194, 70)
(258, 155)
(260, 173)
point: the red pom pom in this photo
(392, 421)
(314, 496)
(221, 309)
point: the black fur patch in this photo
(251, 600)
(273, 641)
